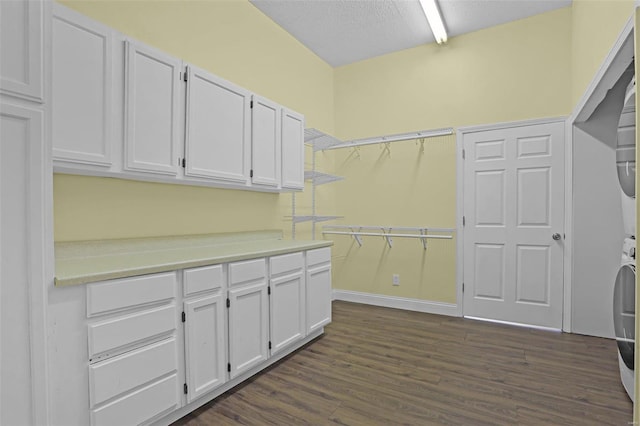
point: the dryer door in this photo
(624, 313)
(626, 146)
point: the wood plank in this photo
(380, 366)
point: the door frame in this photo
(568, 213)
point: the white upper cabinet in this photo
(152, 89)
(292, 150)
(82, 89)
(265, 142)
(218, 128)
(21, 46)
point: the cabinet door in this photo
(205, 345)
(21, 147)
(286, 311)
(21, 46)
(265, 142)
(318, 297)
(152, 102)
(248, 319)
(218, 128)
(292, 150)
(81, 109)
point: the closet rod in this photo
(382, 234)
(394, 138)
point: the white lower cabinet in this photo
(133, 354)
(248, 316)
(318, 288)
(236, 317)
(286, 301)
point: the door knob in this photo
(556, 236)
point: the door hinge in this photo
(464, 154)
(464, 221)
(229, 367)
(463, 287)
(185, 76)
(186, 389)
(251, 173)
(184, 317)
(269, 344)
(251, 104)
(269, 290)
(184, 163)
(228, 303)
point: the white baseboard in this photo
(440, 308)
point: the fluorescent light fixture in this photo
(430, 9)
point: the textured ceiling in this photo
(346, 31)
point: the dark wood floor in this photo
(379, 366)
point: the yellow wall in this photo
(234, 40)
(596, 25)
(517, 71)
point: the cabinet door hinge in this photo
(251, 104)
(186, 389)
(229, 367)
(228, 303)
(463, 287)
(184, 317)
(251, 173)
(183, 163)
(464, 154)
(185, 76)
(464, 221)
(269, 290)
(269, 344)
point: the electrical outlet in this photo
(396, 279)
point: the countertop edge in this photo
(151, 269)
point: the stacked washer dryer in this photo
(624, 294)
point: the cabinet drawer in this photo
(318, 256)
(286, 263)
(123, 373)
(114, 295)
(202, 279)
(127, 330)
(251, 270)
(140, 406)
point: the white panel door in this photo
(287, 313)
(21, 46)
(248, 327)
(152, 104)
(514, 214)
(21, 135)
(218, 128)
(318, 294)
(265, 142)
(82, 86)
(205, 344)
(292, 150)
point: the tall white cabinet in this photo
(25, 188)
